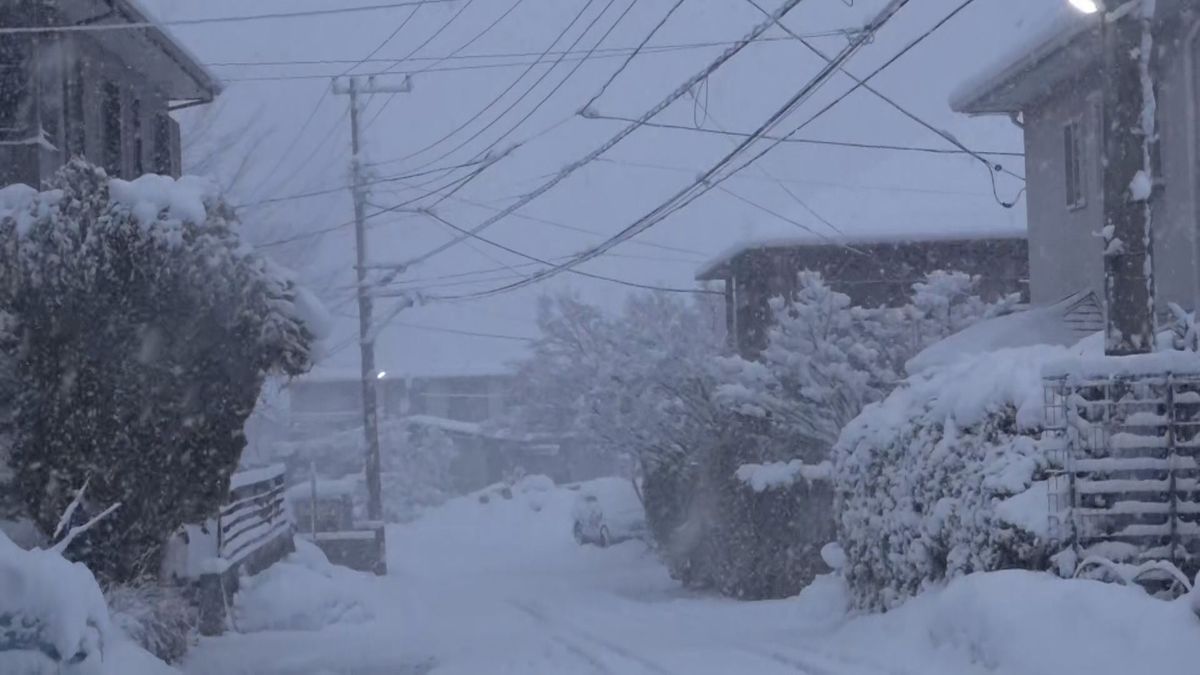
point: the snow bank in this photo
(304, 592)
(940, 479)
(762, 477)
(51, 610)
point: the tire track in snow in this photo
(581, 634)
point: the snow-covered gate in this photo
(1127, 484)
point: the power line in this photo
(571, 168)
(609, 52)
(993, 169)
(377, 181)
(550, 93)
(496, 100)
(706, 182)
(470, 333)
(99, 27)
(798, 181)
(325, 94)
(487, 29)
(812, 141)
(624, 282)
(633, 54)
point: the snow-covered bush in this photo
(140, 329)
(941, 478)
(156, 617)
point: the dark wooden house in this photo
(91, 78)
(873, 271)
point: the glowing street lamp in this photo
(1087, 6)
(381, 374)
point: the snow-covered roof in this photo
(714, 269)
(1064, 324)
(180, 73)
(1057, 50)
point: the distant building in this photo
(873, 271)
(1052, 88)
(334, 399)
(105, 95)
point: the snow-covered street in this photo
(502, 587)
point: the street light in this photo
(1087, 6)
(381, 374)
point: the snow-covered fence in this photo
(255, 516)
(254, 531)
(1128, 487)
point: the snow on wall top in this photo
(711, 269)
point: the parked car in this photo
(608, 511)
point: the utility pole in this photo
(1130, 137)
(353, 87)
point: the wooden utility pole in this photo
(366, 331)
(1129, 134)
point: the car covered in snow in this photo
(609, 511)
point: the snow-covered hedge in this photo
(139, 328)
(941, 478)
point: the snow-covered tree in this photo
(140, 334)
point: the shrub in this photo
(158, 618)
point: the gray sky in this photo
(855, 190)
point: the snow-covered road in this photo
(501, 588)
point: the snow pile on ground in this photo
(763, 477)
(941, 478)
(1034, 624)
(304, 592)
(50, 608)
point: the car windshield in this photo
(626, 337)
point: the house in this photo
(872, 270)
(1052, 88)
(103, 94)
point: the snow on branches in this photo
(139, 328)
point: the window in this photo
(73, 115)
(111, 111)
(164, 145)
(135, 112)
(14, 87)
(1073, 165)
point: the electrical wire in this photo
(496, 100)
(679, 92)
(993, 168)
(455, 55)
(632, 55)
(814, 141)
(707, 181)
(102, 27)
(549, 94)
(369, 183)
(600, 277)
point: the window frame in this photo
(1074, 166)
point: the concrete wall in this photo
(1065, 246)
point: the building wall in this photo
(57, 67)
(1066, 251)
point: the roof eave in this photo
(207, 86)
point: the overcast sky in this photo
(854, 190)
